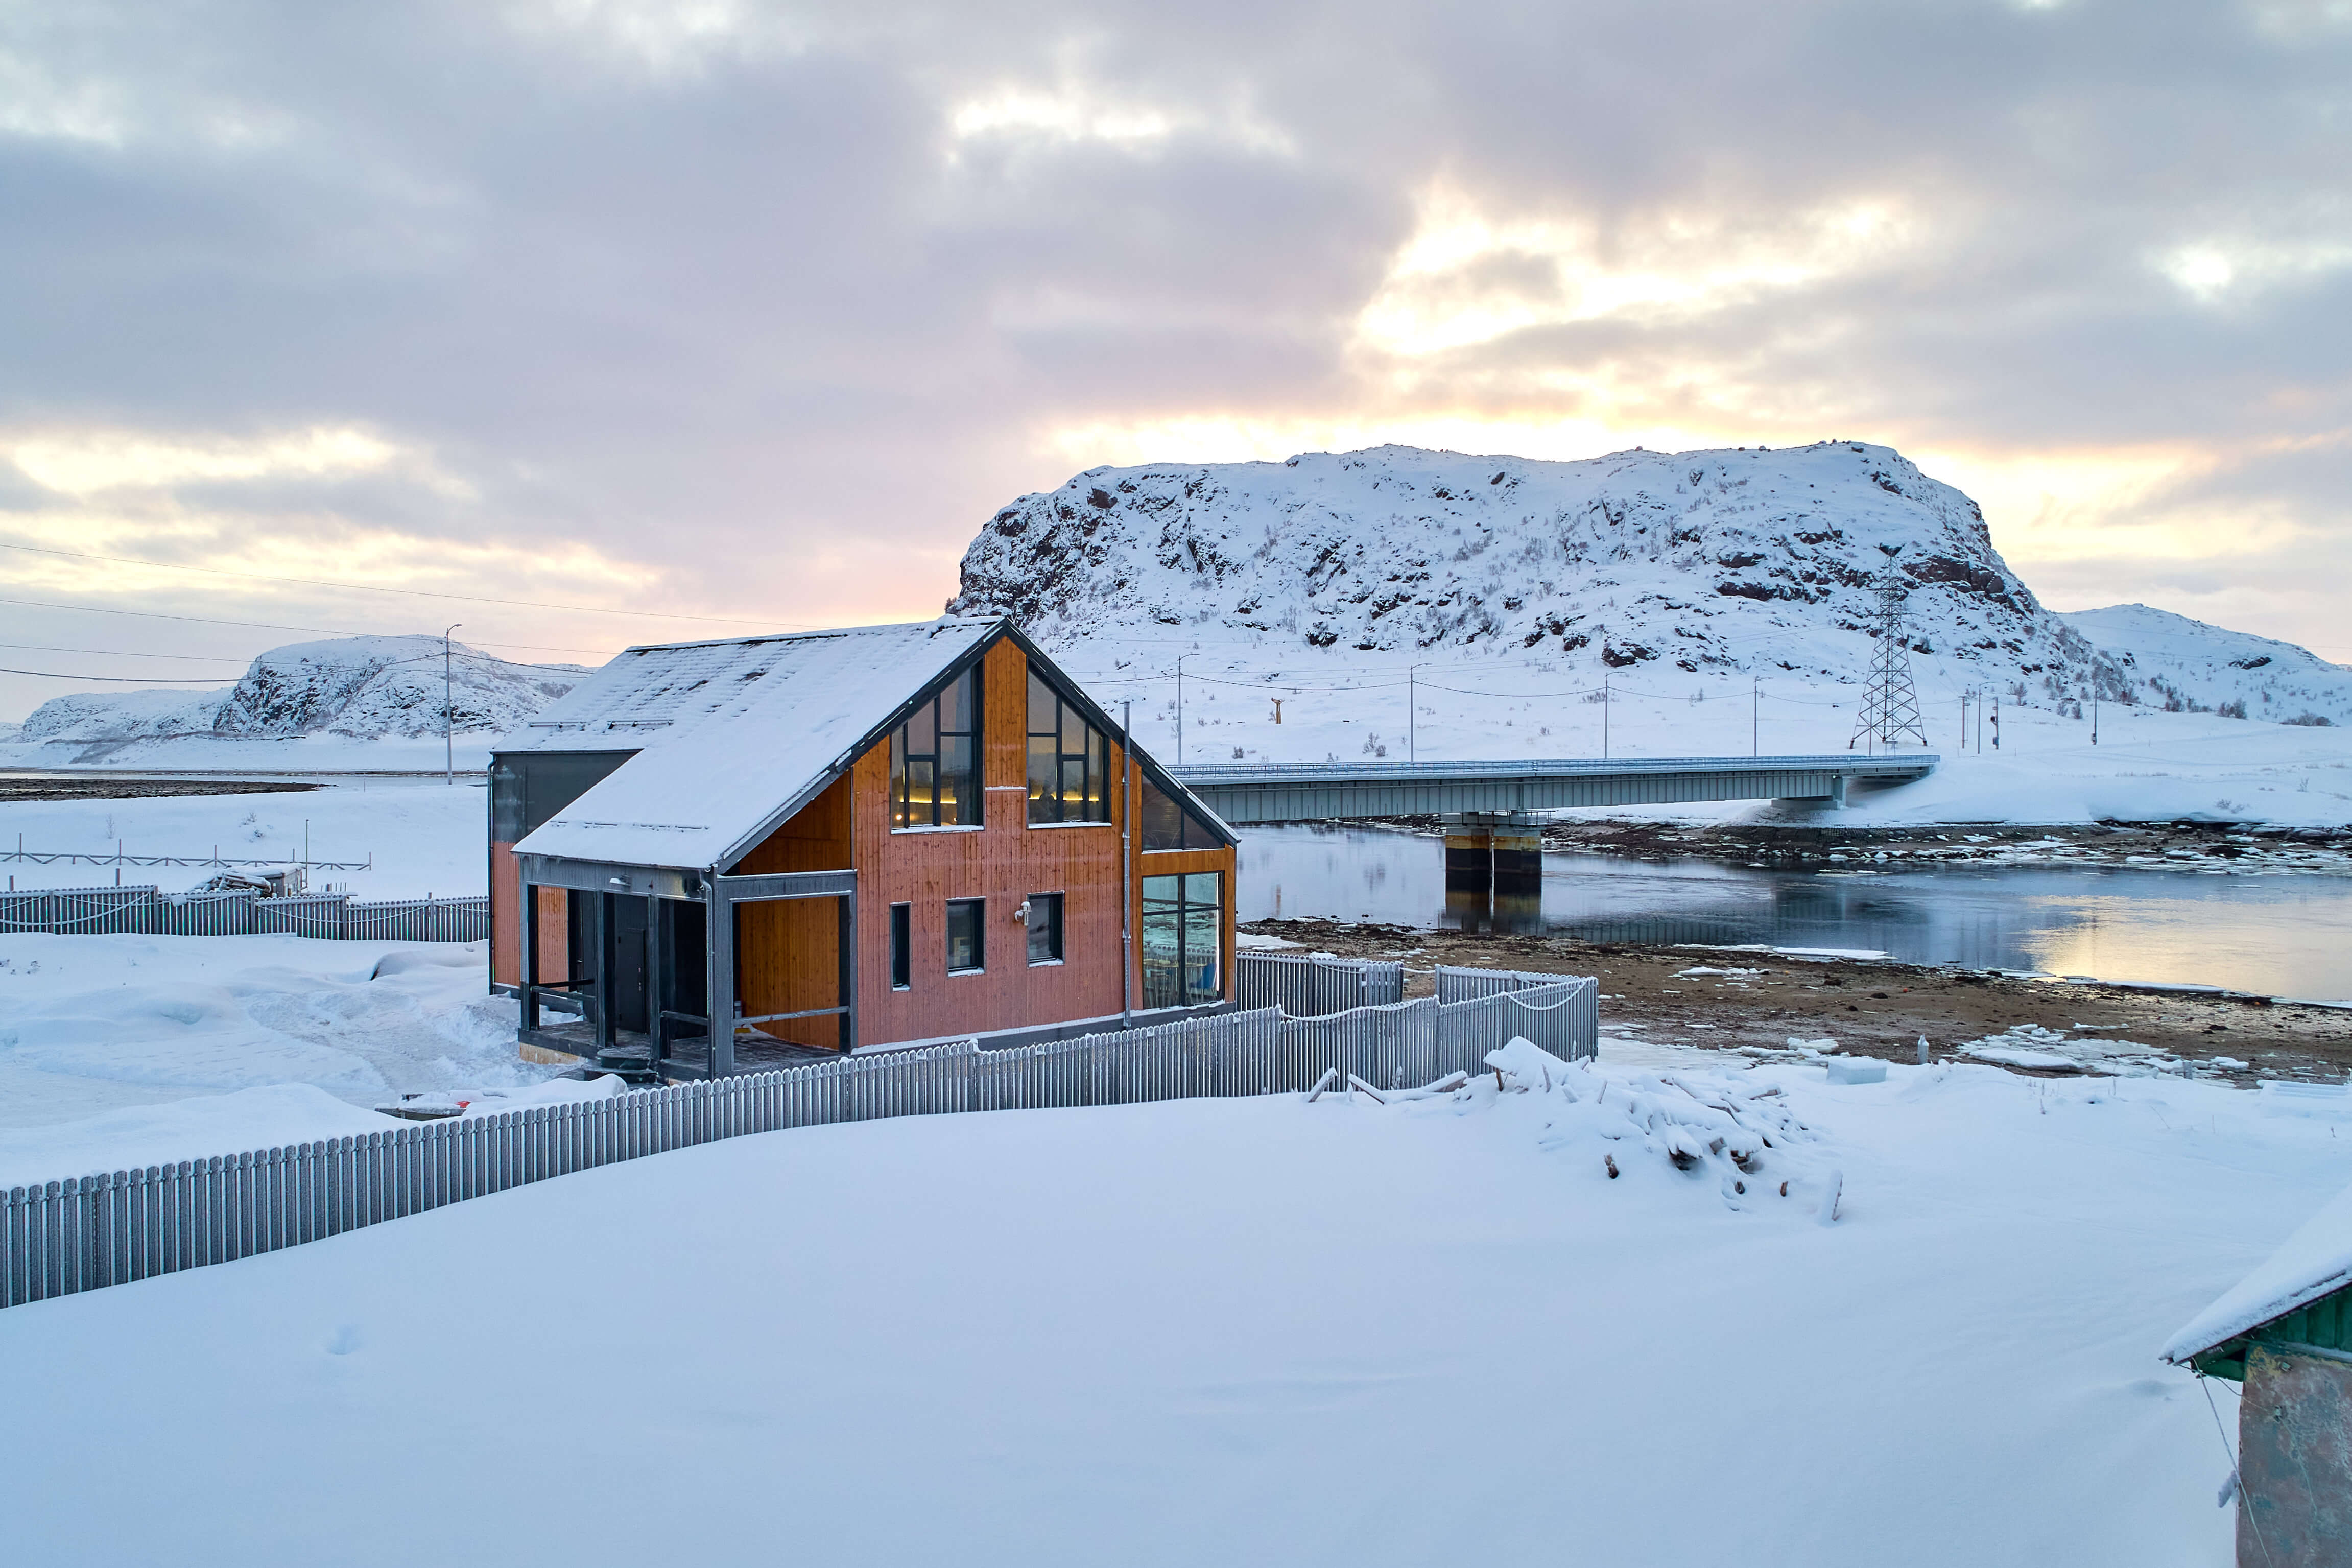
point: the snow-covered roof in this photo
(726, 733)
(2316, 1261)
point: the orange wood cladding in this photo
(506, 927)
(1003, 861)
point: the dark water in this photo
(2289, 936)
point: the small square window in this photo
(967, 936)
(902, 947)
(1044, 928)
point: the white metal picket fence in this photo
(143, 910)
(1307, 985)
(60, 1237)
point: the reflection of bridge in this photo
(1250, 792)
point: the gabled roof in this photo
(2316, 1261)
(726, 733)
(730, 738)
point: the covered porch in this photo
(621, 965)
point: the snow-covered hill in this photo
(369, 689)
(2189, 666)
(1697, 561)
(1660, 566)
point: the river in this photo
(2280, 935)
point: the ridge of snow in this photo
(2311, 1263)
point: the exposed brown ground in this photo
(1876, 1009)
(35, 786)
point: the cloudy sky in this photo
(730, 310)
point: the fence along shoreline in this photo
(65, 1237)
(336, 917)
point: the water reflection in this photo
(2280, 935)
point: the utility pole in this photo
(1755, 715)
(1996, 720)
(1180, 705)
(1605, 715)
(1412, 715)
(2094, 713)
(448, 717)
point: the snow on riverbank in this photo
(1219, 1330)
(96, 1024)
(425, 836)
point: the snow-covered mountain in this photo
(369, 688)
(2189, 666)
(1659, 567)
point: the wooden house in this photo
(842, 838)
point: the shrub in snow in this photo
(1737, 1133)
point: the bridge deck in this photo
(1249, 793)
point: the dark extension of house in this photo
(875, 836)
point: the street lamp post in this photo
(448, 719)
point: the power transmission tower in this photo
(1890, 704)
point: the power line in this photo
(127, 652)
(119, 679)
(411, 592)
(275, 626)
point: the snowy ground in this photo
(425, 837)
(96, 1024)
(1221, 1331)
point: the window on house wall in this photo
(1069, 760)
(1183, 931)
(935, 759)
(967, 936)
(1170, 824)
(1044, 928)
(902, 947)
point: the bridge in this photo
(1246, 794)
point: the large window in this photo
(967, 936)
(1069, 760)
(1184, 934)
(934, 759)
(1169, 826)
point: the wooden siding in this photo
(506, 923)
(1003, 861)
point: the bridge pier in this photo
(1493, 870)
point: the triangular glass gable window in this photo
(1168, 825)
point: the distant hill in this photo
(2186, 666)
(358, 689)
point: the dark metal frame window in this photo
(1183, 938)
(1170, 824)
(967, 936)
(1069, 760)
(935, 759)
(902, 947)
(1044, 928)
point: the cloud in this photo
(780, 303)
